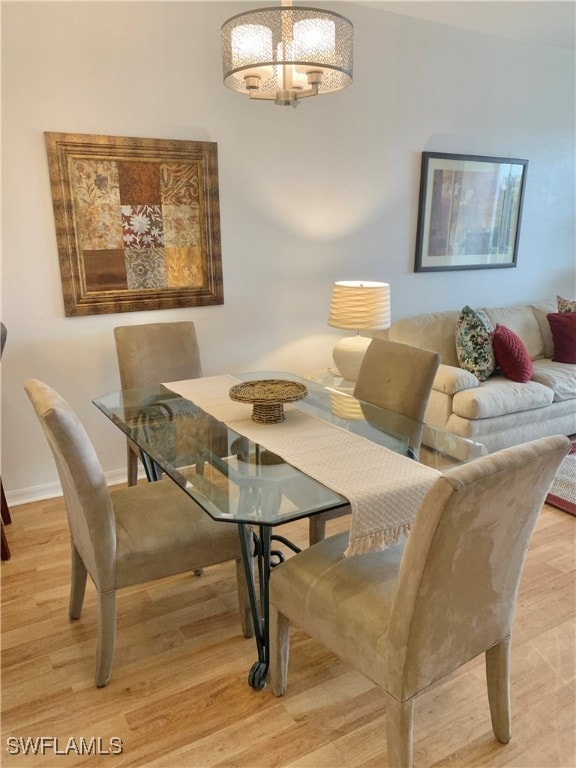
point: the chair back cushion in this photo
(397, 376)
(154, 353)
(459, 577)
(88, 504)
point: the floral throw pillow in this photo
(565, 305)
(474, 343)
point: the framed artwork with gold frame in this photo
(137, 222)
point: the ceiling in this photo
(550, 22)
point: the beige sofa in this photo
(497, 412)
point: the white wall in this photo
(310, 195)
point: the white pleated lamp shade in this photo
(345, 407)
(357, 305)
(360, 304)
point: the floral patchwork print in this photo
(145, 268)
(181, 226)
(142, 226)
(179, 184)
(139, 224)
(183, 267)
(474, 343)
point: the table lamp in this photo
(357, 305)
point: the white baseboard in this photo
(53, 490)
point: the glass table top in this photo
(237, 480)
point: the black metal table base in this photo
(258, 547)
(153, 471)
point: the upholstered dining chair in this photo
(408, 616)
(5, 511)
(150, 354)
(129, 535)
(398, 378)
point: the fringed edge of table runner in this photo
(376, 542)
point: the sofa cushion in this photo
(511, 355)
(560, 377)
(450, 379)
(433, 331)
(522, 321)
(563, 327)
(503, 431)
(541, 312)
(499, 396)
(474, 343)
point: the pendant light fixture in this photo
(287, 53)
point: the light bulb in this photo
(250, 43)
(315, 40)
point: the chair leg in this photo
(316, 529)
(77, 585)
(279, 651)
(132, 462)
(106, 637)
(243, 600)
(498, 681)
(5, 549)
(6, 519)
(399, 732)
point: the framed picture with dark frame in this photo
(469, 212)
(137, 222)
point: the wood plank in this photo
(179, 697)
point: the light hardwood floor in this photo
(179, 697)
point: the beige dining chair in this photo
(410, 615)
(129, 535)
(150, 354)
(398, 378)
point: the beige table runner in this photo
(384, 488)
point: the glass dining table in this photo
(239, 481)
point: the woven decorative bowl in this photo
(268, 397)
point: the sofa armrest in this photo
(450, 379)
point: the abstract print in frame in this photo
(137, 222)
(469, 212)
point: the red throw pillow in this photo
(511, 355)
(563, 327)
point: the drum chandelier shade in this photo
(287, 53)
